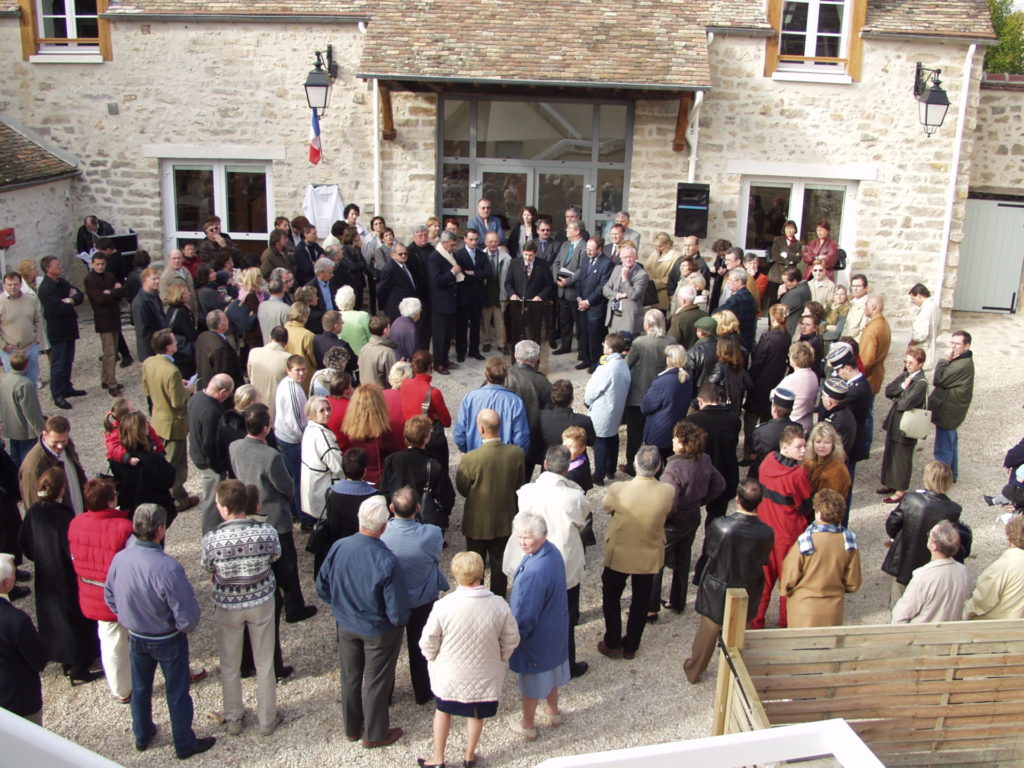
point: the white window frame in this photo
(71, 20)
(220, 198)
(829, 70)
(797, 185)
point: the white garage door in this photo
(991, 257)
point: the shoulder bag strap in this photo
(426, 401)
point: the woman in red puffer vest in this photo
(95, 537)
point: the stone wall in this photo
(44, 222)
(214, 84)
(746, 116)
(999, 139)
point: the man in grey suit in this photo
(563, 271)
(625, 293)
(256, 463)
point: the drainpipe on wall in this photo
(693, 134)
(376, 148)
(954, 171)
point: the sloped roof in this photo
(930, 18)
(628, 44)
(24, 162)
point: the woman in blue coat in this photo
(667, 401)
(540, 605)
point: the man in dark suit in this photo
(546, 245)
(741, 303)
(91, 229)
(723, 427)
(469, 296)
(306, 254)
(444, 274)
(214, 354)
(58, 299)
(527, 281)
(419, 256)
(24, 654)
(563, 272)
(326, 282)
(616, 237)
(396, 282)
(594, 272)
(793, 294)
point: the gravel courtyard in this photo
(616, 704)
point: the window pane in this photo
(767, 211)
(822, 203)
(610, 184)
(830, 19)
(247, 200)
(827, 46)
(85, 7)
(612, 145)
(534, 130)
(557, 191)
(507, 193)
(55, 27)
(794, 17)
(193, 197)
(456, 128)
(455, 186)
(792, 45)
(52, 7)
(88, 27)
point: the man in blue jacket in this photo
(364, 583)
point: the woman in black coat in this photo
(767, 369)
(43, 538)
(149, 479)
(414, 468)
(907, 391)
(354, 264)
(183, 326)
(908, 525)
(523, 230)
(342, 516)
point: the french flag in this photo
(314, 139)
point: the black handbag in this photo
(437, 445)
(431, 510)
(320, 538)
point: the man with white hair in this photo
(325, 282)
(534, 388)
(444, 274)
(23, 653)
(492, 318)
(741, 303)
(176, 273)
(682, 327)
(622, 220)
(364, 584)
(938, 589)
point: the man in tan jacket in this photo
(634, 547)
(874, 343)
(168, 397)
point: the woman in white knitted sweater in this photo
(467, 640)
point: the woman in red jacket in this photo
(822, 247)
(95, 537)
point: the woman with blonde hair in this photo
(728, 324)
(366, 425)
(467, 640)
(182, 323)
(250, 294)
(398, 373)
(321, 458)
(802, 382)
(667, 400)
(826, 460)
(659, 264)
(300, 339)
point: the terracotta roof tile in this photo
(22, 161)
(945, 18)
(630, 44)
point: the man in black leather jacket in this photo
(702, 356)
(738, 548)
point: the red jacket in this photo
(413, 392)
(786, 488)
(95, 537)
(116, 452)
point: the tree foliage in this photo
(1008, 54)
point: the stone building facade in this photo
(185, 106)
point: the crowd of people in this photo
(315, 424)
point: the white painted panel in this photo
(991, 257)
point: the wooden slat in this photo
(881, 731)
(965, 631)
(958, 759)
(913, 713)
(756, 655)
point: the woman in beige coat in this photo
(469, 636)
(821, 567)
(659, 264)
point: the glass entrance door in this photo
(551, 190)
(508, 189)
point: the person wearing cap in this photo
(833, 410)
(860, 401)
(702, 356)
(766, 436)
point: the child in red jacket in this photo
(784, 506)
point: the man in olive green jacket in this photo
(951, 397)
(489, 477)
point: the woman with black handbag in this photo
(414, 467)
